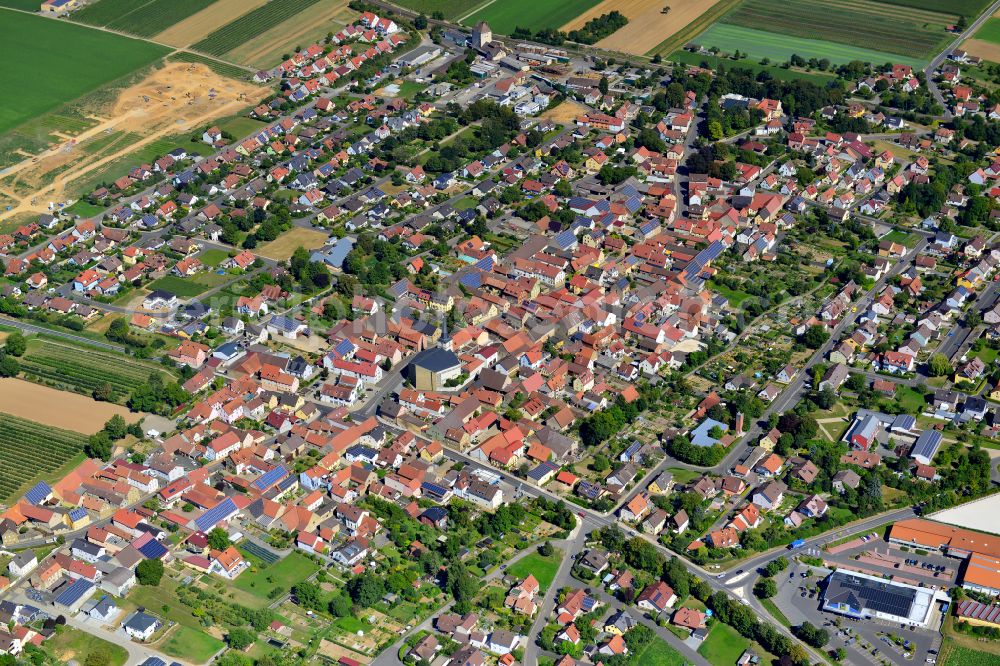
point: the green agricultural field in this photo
(956, 655)
(139, 17)
(542, 568)
(98, 58)
(910, 32)
(504, 16)
(245, 28)
(29, 450)
(786, 74)
(26, 5)
(966, 8)
(759, 44)
(82, 369)
(990, 31)
(451, 9)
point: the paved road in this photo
(933, 65)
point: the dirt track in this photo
(172, 100)
(648, 26)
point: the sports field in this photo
(505, 15)
(97, 58)
(139, 17)
(906, 31)
(759, 44)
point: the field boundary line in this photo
(477, 8)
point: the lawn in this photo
(659, 653)
(724, 645)
(261, 579)
(181, 287)
(541, 567)
(682, 476)
(856, 23)
(72, 645)
(192, 646)
(908, 239)
(757, 44)
(465, 203)
(735, 297)
(911, 399)
(503, 17)
(213, 257)
(98, 58)
(83, 209)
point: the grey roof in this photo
(436, 359)
(859, 594)
(926, 445)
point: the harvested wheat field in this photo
(982, 48)
(647, 25)
(171, 100)
(282, 247)
(564, 113)
(201, 24)
(302, 29)
(60, 409)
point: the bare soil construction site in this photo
(170, 101)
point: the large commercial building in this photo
(862, 596)
(981, 552)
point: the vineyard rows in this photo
(28, 449)
(250, 25)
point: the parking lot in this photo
(800, 598)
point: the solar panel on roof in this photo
(485, 264)
(286, 483)
(473, 280)
(153, 550)
(78, 514)
(74, 592)
(215, 515)
(434, 489)
(38, 493)
(268, 479)
(344, 347)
